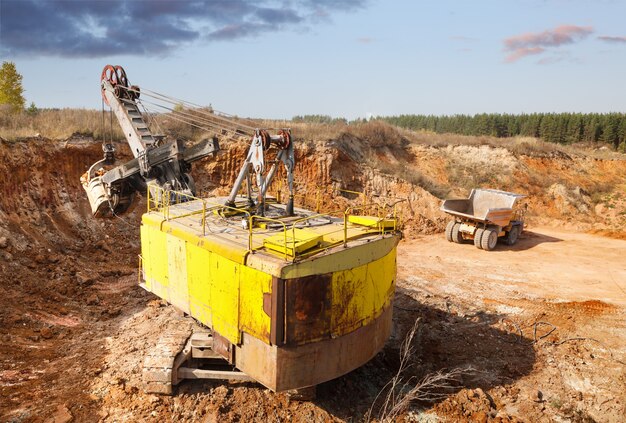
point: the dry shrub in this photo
(59, 124)
(312, 131)
(402, 391)
(377, 134)
(63, 123)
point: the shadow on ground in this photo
(527, 241)
(444, 341)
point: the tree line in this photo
(562, 128)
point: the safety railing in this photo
(161, 201)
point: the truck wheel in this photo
(489, 239)
(513, 235)
(457, 236)
(449, 228)
(477, 237)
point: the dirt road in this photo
(546, 263)
(562, 293)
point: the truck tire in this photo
(477, 237)
(513, 235)
(457, 236)
(489, 239)
(449, 230)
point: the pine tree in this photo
(11, 90)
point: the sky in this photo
(351, 58)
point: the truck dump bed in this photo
(484, 205)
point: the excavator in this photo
(286, 296)
(166, 164)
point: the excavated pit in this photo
(74, 325)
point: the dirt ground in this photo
(537, 330)
(562, 293)
(81, 357)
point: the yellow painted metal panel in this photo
(372, 222)
(297, 239)
(359, 294)
(157, 275)
(341, 259)
(353, 231)
(199, 282)
(224, 288)
(144, 232)
(210, 279)
(252, 318)
(221, 246)
(177, 272)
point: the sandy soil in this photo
(539, 328)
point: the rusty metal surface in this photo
(308, 308)
(293, 367)
(223, 347)
(277, 315)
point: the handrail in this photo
(160, 200)
(355, 192)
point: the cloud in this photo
(95, 28)
(365, 40)
(518, 53)
(612, 39)
(523, 45)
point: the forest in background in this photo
(562, 128)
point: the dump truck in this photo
(484, 217)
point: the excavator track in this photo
(160, 366)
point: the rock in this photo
(114, 312)
(40, 259)
(46, 333)
(62, 415)
(103, 246)
(93, 300)
(480, 417)
(4, 242)
(83, 279)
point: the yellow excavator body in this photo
(292, 302)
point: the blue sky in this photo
(281, 58)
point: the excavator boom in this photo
(156, 163)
